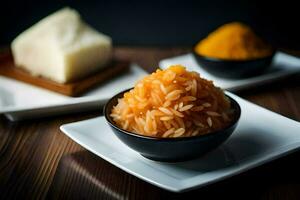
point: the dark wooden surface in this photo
(37, 161)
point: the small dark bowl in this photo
(234, 69)
(171, 149)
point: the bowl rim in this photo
(161, 139)
(214, 59)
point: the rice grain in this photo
(172, 103)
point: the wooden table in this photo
(37, 161)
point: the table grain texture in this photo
(37, 161)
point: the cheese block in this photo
(61, 47)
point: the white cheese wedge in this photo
(61, 47)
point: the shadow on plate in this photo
(290, 82)
(239, 149)
(6, 97)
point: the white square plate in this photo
(19, 100)
(282, 66)
(261, 136)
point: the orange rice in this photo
(173, 103)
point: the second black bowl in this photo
(171, 149)
(234, 69)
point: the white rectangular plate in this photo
(19, 100)
(282, 66)
(261, 136)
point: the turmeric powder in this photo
(234, 41)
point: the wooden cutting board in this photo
(8, 69)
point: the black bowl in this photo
(234, 69)
(171, 149)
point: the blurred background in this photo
(161, 23)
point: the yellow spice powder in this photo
(235, 41)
